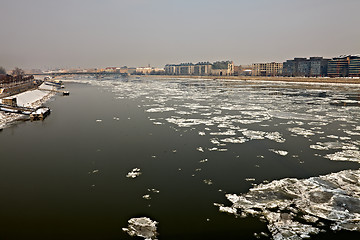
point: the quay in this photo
(64, 93)
(39, 114)
(16, 109)
(35, 114)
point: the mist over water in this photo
(168, 149)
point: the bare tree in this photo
(17, 72)
(2, 70)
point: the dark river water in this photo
(193, 140)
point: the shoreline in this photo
(275, 79)
(33, 98)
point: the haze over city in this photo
(49, 34)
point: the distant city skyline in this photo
(49, 34)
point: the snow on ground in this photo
(29, 98)
(32, 99)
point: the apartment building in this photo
(267, 69)
(354, 67)
(318, 66)
(202, 68)
(303, 67)
(224, 68)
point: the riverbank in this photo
(32, 99)
(280, 79)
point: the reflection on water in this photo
(195, 141)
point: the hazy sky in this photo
(99, 33)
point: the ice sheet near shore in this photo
(294, 209)
(32, 99)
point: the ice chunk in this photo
(134, 173)
(200, 149)
(301, 131)
(154, 190)
(345, 155)
(254, 134)
(234, 140)
(208, 181)
(147, 197)
(227, 133)
(228, 210)
(280, 152)
(164, 109)
(275, 136)
(333, 145)
(283, 227)
(334, 197)
(142, 227)
(249, 179)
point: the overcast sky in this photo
(99, 33)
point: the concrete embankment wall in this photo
(18, 89)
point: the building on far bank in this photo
(267, 69)
(202, 69)
(318, 66)
(170, 69)
(354, 68)
(143, 70)
(303, 67)
(344, 66)
(185, 69)
(339, 66)
(223, 68)
(291, 67)
(243, 70)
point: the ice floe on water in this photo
(259, 135)
(345, 155)
(254, 114)
(208, 181)
(279, 152)
(234, 140)
(333, 145)
(134, 173)
(164, 109)
(147, 197)
(332, 199)
(301, 131)
(182, 122)
(142, 227)
(200, 149)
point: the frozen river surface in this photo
(200, 159)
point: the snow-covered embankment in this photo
(32, 99)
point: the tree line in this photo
(16, 72)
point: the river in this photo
(193, 142)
